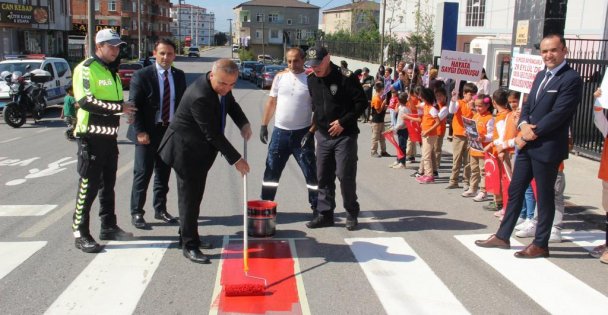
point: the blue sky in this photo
(223, 9)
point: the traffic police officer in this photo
(98, 91)
(338, 99)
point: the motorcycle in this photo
(28, 96)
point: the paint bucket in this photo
(261, 218)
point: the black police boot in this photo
(351, 222)
(322, 220)
(114, 234)
(87, 244)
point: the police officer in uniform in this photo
(338, 99)
(98, 91)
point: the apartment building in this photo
(36, 26)
(151, 20)
(351, 17)
(269, 26)
(192, 25)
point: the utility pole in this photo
(139, 51)
(263, 40)
(382, 32)
(230, 39)
(179, 26)
(90, 30)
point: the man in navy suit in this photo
(156, 91)
(544, 125)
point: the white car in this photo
(58, 68)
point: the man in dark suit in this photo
(193, 140)
(156, 91)
(544, 125)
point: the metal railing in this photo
(591, 49)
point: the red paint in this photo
(270, 260)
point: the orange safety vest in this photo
(463, 111)
(482, 130)
(428, 121)
(511, 129)
(442, 123)
(500, 116)
(603, 173)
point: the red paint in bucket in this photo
(261, 218)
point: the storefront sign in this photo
(81, 29)
(15, 13)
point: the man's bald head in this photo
(226, 66)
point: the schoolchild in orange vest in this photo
(441, 97)
(485, 129)
(460, 154)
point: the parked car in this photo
(194, 52)
(267, 75)
(151, 59)
(235, 48)
(257, 70)
(61, 75)
(245, 69)
(125, 72)
(265, 59)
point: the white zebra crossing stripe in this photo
(25, 210)
(392, 266)
(114, 281)
(551, 287)
(586, 239)
(13, 254)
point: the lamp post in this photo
(179, 26)
(230, 39)
(139, 51)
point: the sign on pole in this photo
(525, 68)
(603, 100)
(461, 66)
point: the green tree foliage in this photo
(246, 54)
(220, 39)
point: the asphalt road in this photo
(412, 253)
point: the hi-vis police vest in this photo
(99, 94)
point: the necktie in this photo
(544, 83)
(223, 112)
(166, 98)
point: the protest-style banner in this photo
(524, 70)
(470, 127)
(460, 66)
(390, 138)
(603, 99)
(414, 129)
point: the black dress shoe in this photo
(195, 255)
(87, 244)
(138, 221)
(203, 245)
(165, 217)
(114, 234)
(321, 221)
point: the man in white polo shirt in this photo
(291, 105)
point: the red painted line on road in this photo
(268, 259)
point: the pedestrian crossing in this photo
(25, 210)
(403, 282)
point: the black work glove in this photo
(264, 134)
(308, 139)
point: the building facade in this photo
(34, 26)
(151, 20)
(270, 26)
(352, 17)
(192, 25)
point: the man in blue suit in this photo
(544, 125)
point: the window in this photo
(61, 67)
(134, 5)
(48, 67)
(96, 5)
(274, 34)
(306, 20)
(258, 34)
(245, 18)
(298, 34)
(289, 22)
(273, 17)
(475, 14)
(259, 17)
(111, 5)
